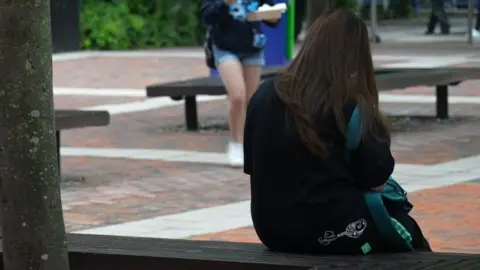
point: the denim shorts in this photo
(249, 59)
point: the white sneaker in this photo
(235, 154)
(475, 33)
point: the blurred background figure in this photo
(307, 11)
(300, 16)
(476, 30)
(438, 15)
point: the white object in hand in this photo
(267, 12)
(277, 7)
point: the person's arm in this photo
(270, 23)
(373, 162)
(214, 11)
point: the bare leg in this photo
(232, 76)
(252, 79)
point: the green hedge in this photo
(134, 24)
(130, 24)
(398, 9)
(348, 4)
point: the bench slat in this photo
(387, 79)
(100, 252)
(209, 85)
(69, 119)
(251, 254)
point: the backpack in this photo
(392, 197)
(208, 48)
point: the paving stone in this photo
(125, 72)
(78, 102)
(115, 190)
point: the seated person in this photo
(305, 198)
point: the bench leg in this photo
(191, 118)
(442, 101)
(57, 135)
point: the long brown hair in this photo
(333, 67)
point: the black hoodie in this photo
(229, 34)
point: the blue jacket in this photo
(229, 34)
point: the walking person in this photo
(238, 51)
(438, 15)
(476, 30)
(300, 15)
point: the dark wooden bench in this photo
(387, 79)
(189, 89)
(98, 252)
(70, 119)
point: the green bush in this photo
(398, 9)
(347, 4)
(131, 24)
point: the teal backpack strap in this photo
(354, 128)
(386, 225)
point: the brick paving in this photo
(102, 191)
(467, 88)
(157, 129)
(164, 129)
(115, 190)
(440, 151)
(449, 217)
(468, 64)
(125, 72)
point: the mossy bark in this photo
(33, 227)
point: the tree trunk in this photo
(33, 227)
